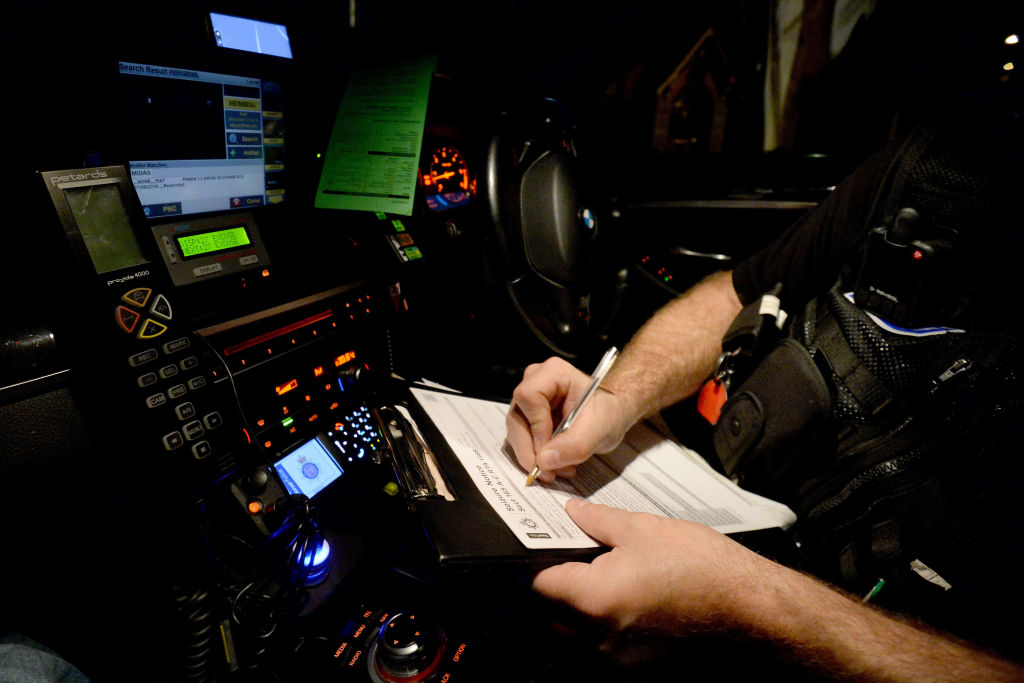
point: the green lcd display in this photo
(203, 243)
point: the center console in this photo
(258, 405)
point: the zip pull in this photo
(960, 365)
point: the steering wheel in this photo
(553, 258)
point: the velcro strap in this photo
(867, 389)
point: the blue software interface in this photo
(202, 141)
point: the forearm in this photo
(673, 353)
(818, 627)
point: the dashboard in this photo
(191, 398)
(196, 365)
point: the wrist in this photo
(623, 411)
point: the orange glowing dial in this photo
(447, 173)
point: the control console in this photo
(136, 344)
(382, 646)
(263, 406)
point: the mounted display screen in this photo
(250, 35)
(309, 469)
(96, 206)
(200, 142)
(210, 242)
(104, 225)
(204, 247)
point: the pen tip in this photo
(532, 476)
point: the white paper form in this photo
(646, 473)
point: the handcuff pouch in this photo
(771, 420)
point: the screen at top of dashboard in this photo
(199, 141)
(251, 35)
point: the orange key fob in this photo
(710, 399)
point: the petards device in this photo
(95, 206)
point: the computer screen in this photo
(250, 35)
(199, 141)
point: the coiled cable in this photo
(193, 615)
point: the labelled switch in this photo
(408, 647)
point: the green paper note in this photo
(375, 144)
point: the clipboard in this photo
(464, 532)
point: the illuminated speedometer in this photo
(447, 173)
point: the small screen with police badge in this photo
(309, 469)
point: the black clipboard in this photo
(465, 532)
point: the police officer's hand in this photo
(672, 578)
(667, 574)
(548, 391)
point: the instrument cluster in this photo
(446, 178)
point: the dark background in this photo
(913, 57)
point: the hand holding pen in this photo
(595, 381)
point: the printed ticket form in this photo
(647, 473)
(374, 149)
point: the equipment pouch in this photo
(772, 419)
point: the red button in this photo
(127, 319)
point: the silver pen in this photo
(595, 381)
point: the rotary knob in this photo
(355, 377)
(407, 648)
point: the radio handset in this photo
(907, 275)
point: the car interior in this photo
(237, 232)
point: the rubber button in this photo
(137, 297)
(127, 319)
(151, 328)
(161, 307)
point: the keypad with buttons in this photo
(179, 381)
(179, 396)
(355, 435)
(140, 313)
(173, 389)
